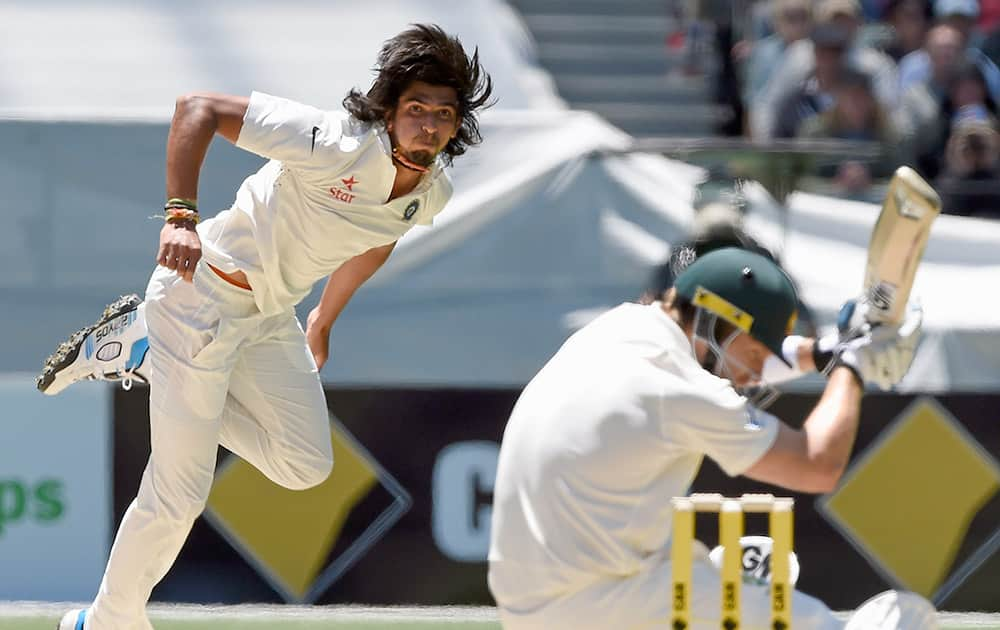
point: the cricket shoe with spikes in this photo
(113, 348)
(73, 620)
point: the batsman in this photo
(619, 421)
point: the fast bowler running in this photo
(618, 422)
(228, 362)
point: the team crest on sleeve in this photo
(411, 209)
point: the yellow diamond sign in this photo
(907, 503)
(288, 535)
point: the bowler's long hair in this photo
(426, 53)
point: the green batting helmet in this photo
(747, 290)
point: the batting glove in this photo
(882, 354)
(851, 324)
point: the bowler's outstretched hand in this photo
(180, 248)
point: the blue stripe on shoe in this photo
(137, 354)
(79, 620)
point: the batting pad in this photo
(907, 503)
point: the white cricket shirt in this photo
(613, 427)
(319, 201)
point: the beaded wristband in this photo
(175, 214)
(178, 202)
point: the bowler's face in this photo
(426, 118)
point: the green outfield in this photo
(38, 616)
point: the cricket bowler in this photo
(618, 422)
(226, 359)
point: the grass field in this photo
(43, 616)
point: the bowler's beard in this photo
(421, 157)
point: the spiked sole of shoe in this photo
(68, 350)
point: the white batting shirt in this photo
(320, 200)
(613, 427)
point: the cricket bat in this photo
(897, 244)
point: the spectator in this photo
(962, 14)
(815, 94)
(968, 89)
(915, 68)
(908, 20)
(708, 38)
(872, 9)
(966, 92)
(944, 47)
(792, 21)
(760, 20)
(989, 16)
(991, 46)
(921, 110)
(807, 61)
(989, 25)
(969, 184)
(857, 115)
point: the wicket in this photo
(731, 520)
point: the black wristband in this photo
(824, 351)
(822, 358)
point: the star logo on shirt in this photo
(350, 183)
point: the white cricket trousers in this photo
(642, 602)
(221, 373)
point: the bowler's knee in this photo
(178, 502)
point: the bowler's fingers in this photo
(183, 260)
(188, 265)
(162, 254)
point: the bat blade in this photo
(897, 244)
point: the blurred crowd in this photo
(919, 78)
